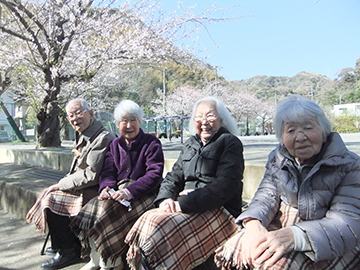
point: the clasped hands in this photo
(169, 206)
(117, 195)
(260, 247)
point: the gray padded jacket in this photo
(327, 197)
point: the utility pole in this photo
(164, 91)
(216, 74)
(312, 91)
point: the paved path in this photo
(21, 245)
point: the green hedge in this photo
(346, 124)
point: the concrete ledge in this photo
(20, 186)
(16, 200)
(18, 193)
(51, 159)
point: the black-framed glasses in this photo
(78, 113)
(209, 117)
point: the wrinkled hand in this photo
(186, 192)
(120, 195)
(117, 195)
(52, 188)
(169, 206)
(277, 244)
(44, 193)
(104, 194)
(255, 234)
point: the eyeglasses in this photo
(125, 121)
(209, 117)
(78, 113)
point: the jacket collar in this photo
(333, 147)
(135, 143)
(213, 137)
(95, 126)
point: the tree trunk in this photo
(48, 127)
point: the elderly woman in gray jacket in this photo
(306, 211)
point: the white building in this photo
(351, 109)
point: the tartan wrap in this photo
(228, 255)
(178, 240)
(108, 222)
(59, 202)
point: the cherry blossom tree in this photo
(242, 105)
(68, 47)
(265, 113)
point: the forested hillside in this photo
(269, 87)
(345, 88)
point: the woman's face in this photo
(303, 140)
(206, 120)
(129, 127)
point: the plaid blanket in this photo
(178, 240)
(59, 202)
(228, 256)
(108, 222)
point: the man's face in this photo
(79, 117)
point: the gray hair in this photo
(127, 107)
(83, 104)
(297, 108)
(227, 121)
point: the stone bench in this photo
(25, 173)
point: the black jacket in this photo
(214, 170)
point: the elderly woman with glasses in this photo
(128, 184)
(198, 199)
(306, 211)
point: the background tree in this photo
(242, 105)
(68, 46)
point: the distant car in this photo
(5, 136)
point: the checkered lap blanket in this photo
(108, 222)
(59, 202)
(178, 240)
(228, 256)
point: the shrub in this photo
(346, 124)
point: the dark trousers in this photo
(61, 236)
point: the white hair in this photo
(296, 108)
(127, 107)
(83, 104)
(227, 121)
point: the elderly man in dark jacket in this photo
(64, 199)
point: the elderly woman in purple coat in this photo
(128, 185)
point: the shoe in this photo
(50, 251)
(61, 260)
(89, 266)
(118, 267)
